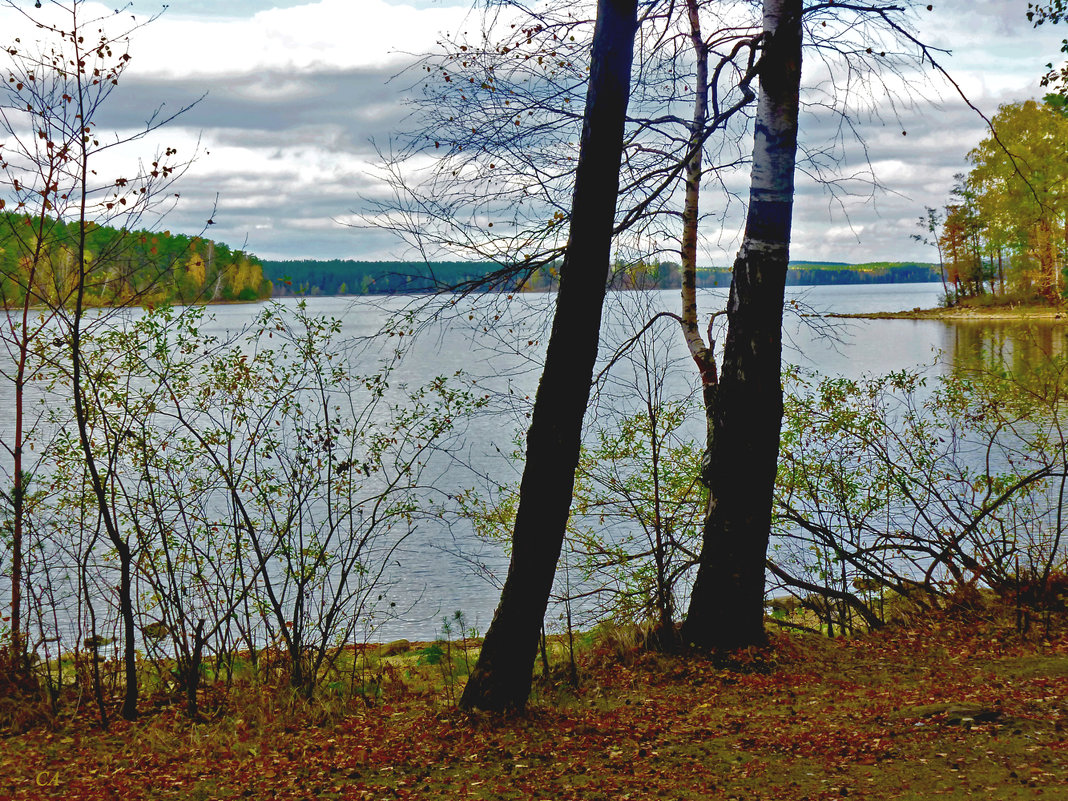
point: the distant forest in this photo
(142, 268)
(347, 277)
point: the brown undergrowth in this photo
(957, 704)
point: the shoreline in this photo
(1021, 313)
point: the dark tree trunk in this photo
(727, 603)
(81, 393)
(502, 677)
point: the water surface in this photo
(499, 343)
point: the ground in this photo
(956, 705)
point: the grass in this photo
(952, 705)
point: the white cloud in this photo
(297, 91)
(329, 34)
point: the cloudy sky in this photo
(297, 92)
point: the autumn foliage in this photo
(122, 267)
(1004, 232)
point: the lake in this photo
(498, 343)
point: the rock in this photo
(783, 604)
(958, 712)
(968, 713)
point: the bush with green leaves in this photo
(262, 484)
(917, 486)
(635, 524)
(893, 492)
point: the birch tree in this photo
(753, 351)
(727, 602)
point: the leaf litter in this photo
(955, 705)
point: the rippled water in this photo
(499, 344)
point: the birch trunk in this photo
(727, 603)
(700, 351)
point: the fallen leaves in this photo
(955, 707)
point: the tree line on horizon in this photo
(352, 277)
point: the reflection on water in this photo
(1016, 348)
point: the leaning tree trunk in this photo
(703, 354)
(727, 602)
(502, 677)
